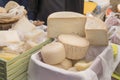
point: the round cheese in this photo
(75, 46)
(53, 53)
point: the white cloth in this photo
(101, 69)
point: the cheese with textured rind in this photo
(53, 53)
(96, 32)
(66, 23)
(75, 46)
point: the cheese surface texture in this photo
(53, 53)
(9, 37)
(75, 46)
(96, 32)
(66, 23)
(23, 26)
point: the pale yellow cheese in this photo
(66, 64)
(82, 65)
(66, 22)
(75, 46)
(53, 53)
(96, 32)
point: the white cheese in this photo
(75, 46)
(66, 22)
(23, 26)
(66, 64)
(53, 53)
(9, 37)
(96, 32)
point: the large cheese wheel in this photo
(75, 46)
(96, 32)
(53, 53)
(66, 22)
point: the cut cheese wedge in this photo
(9, 37)
(96, 32)
(53, 53)
(75, 46)
(66, 22)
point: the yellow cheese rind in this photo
(53, 53)
(75, 46)
(96, 32)
(66, 23)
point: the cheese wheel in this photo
(96, 32)
(82, 65)
(53, 53)
(75, 46)
(66, 22)
(66, 64)
(118, 7)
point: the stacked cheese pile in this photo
(74, 33)
(16, 47)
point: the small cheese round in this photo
(80, 66)
(75, 46)
(2, 10)
(118, 7)
(73, 69)
(53, 53)
(66, 64)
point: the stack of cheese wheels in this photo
(76, 47)
(53, 53)
(66, 23)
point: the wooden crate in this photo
(16, 69)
